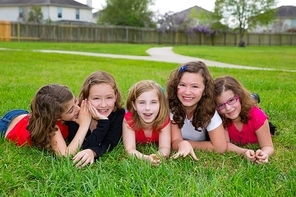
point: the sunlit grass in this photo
(29, 172)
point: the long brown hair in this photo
(100, 77)
(206, 106)
(135, 91)
(47, 106)
(225, 83)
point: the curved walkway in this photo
(160, 54)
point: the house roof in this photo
(64, 3)
(188, 10)
(286, 11)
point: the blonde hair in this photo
(100, 77)
(135, 91)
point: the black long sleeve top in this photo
(104, 137)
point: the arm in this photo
(111, 139)
(129, 142)
(58, 143)
(250, 154)
(183, 147)
(165, 141)
(265, 143)
(217, 141)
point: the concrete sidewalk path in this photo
(160, 54)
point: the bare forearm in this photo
(138, 154)
(268, 150)
(233, 148)
(164, 151)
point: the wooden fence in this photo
(11, 31)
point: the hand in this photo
(95, 114)
(185, 148)
(250, 154)
(261, 157)
(154, 159)
(84, 157)
(84, 116)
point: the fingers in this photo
(192, 153)
(82, 159)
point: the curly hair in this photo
(100, 77)
(225, 83)
(135, 91)
(46, 107)
(206, 106)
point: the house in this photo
(57, 11)
(192, 12)
(190, 17)
(285, 21)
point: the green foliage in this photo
(244, 14)
(35, 14)
(26, 171)
(134, 13)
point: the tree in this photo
(35, 14)
(127, 13)
(244, 14)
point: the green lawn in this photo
(29, 172)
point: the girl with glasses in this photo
(244, 121)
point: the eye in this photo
(231, 100)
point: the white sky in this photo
(164, 6)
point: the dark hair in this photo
(100, 77)
(206, 106)
(46, 107)
(225, 83)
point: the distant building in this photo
(56, 11)
(285, 21)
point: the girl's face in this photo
(103, 98)
(231, 111)
(147, 106)
(72, 110)
(190, 89)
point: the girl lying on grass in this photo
(44, 126)
(147, 121)
(244, 121)
(105, 128)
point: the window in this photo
(60, 12)
(293, 23)
(77, 14)
(21, 12)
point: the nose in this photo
(147, 107)
(76, 107)
(227, 107)
(187, 90)
(103, 103)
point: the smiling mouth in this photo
(103, 110)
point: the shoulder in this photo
(128, 115)
(257, 112)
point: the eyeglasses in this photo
(230, 101)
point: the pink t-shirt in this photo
(140, 135)
(248, 133)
